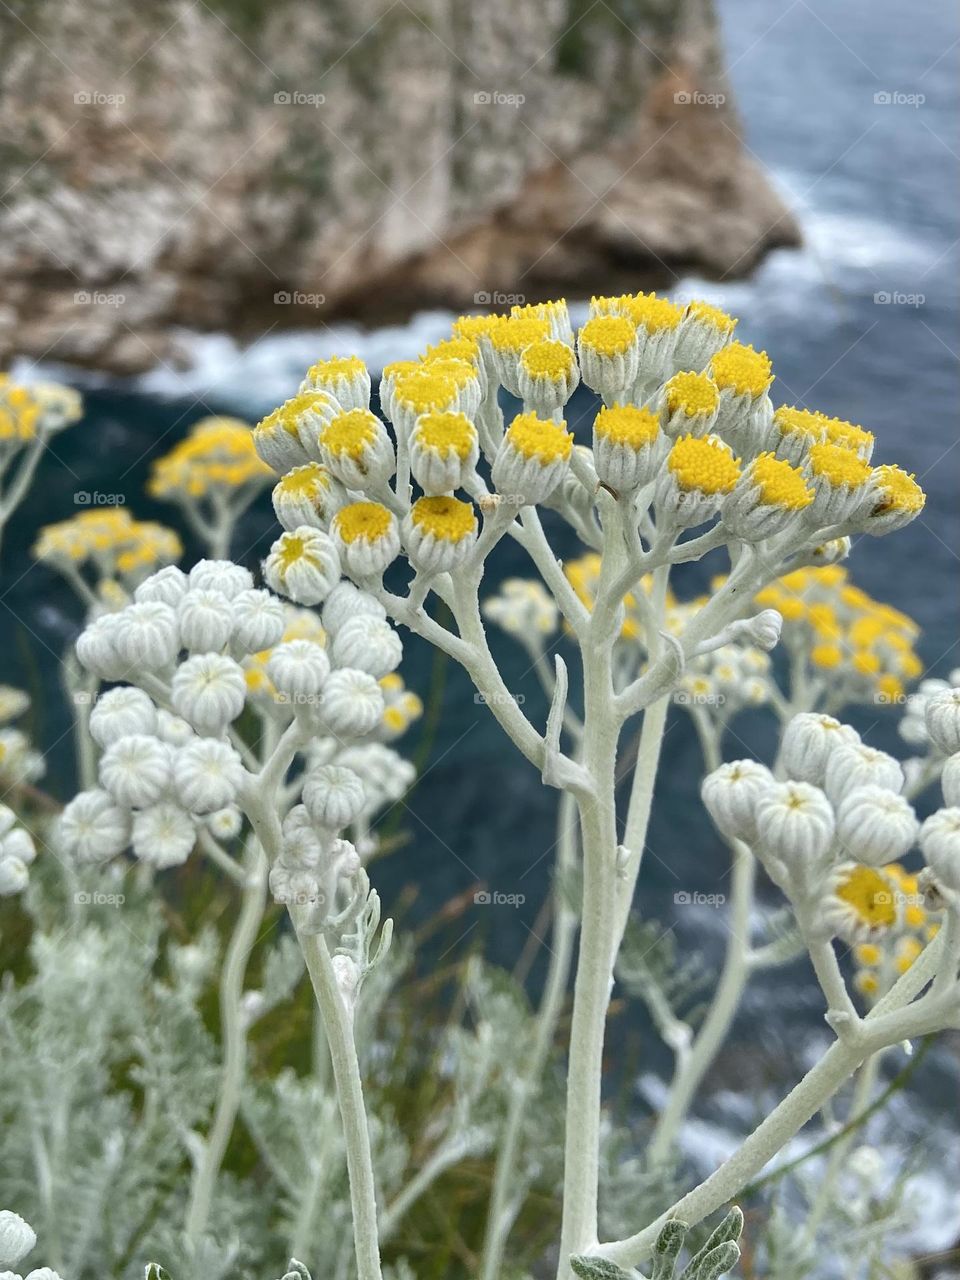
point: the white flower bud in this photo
(794, 823)
(940, 842)
(950, 781)
(8, 819)
(258, 621)
(207, 774)
(163, 835)
(97, 648)
(333, 796)
(942, 716)
(309, 495)
(857, 765)
(347, 601)
(763, 630)
(119, 712)
(303, 566)
(166, 586)
(356, 448)
(220, 575)
(875, 826)
(347, 974)
(808, 741)
(369, 644)
(205, 619)
(135, 770)
(19, 844)
(352, 703)
(298, 668)
(17, 1238)
(730, 795)
(292, 886)
(172, 729)
(14, 876)
(225, 824)
(209, 690)
(92, 828)
(147, 638)
(302, 846)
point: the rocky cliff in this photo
(242, 165)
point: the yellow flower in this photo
(740, 369)
(706, 465)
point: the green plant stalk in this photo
(234, 1038)
(346, 1073)
(500, 1217)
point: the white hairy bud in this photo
(857, 765)
(220, 575)
(209, 690)
(730, 795)
(17, 1238)
(258, 621)
(764, 629)
(18, 844)
(352, 703)
(942, 717)
(940, 842)
(146, 636)
(347, 601)
(135, 770)
(298, 668)
(207, 774)
(163, 835)
(173, 729)
(950, 781)
(205, 619)
(119, 712)
(808, 741)
(333, 796)
(303, 566)
(97, 648)
(370, 644)
(166, 586)
(92, 828)
(794, 823)
(225, 824)
(14, 876)
(876, 826)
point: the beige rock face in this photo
(242, 166)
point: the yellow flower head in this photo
(363, 522)
(424, 388)
(868, 895)
(692, 393)
(838, 466)
(706, 465)
(512, 333)
(608, 335)
(801, 422)
(627, 425)
(742, 370)
(446, 519)
(548, 359)
(653, 313)
(848, 435)
(539, 438)
(712, 316)
(780, 484)
(898, 491)
(446, 433)
(217, 456)
(350, 434)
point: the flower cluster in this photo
(17, 852)
(116, 550)
(19, 761)
(194, 651)
(862, 648)
(832, 834)
(17, 1238)
(34, 413)
(213, 475)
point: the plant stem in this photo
(346, 1073)
(234, 1037)
(500, 1217)
(866, 1079)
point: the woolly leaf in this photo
(718, 1262)
(667, 1249)
(597, 1269)
(154, 1271)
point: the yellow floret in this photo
(446, 433)
(780, 484)
(805, 422)
(706, 465)
(453, 349)
(865, 662)
(692, 393)
(899, 491)
(868, 953)
(336, 367)
(512, 333)
(350, 434)
(627, 425)
(289, 413)
(548, 358)
(847, 434)
(539, 438)
(447, 519)
(363, 521)
(826, 656)
(866, 982)
(655, 314)
(424, 388)
(609, 335)
(891, 687)
(838, 466)
(305, 480)
(868, 894)
(475, 326)
(711, 315)
(740, 369)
